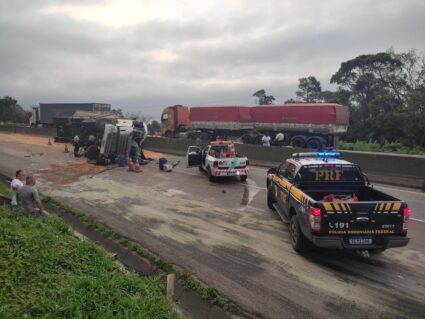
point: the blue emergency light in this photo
(323, 155)
(329, 154)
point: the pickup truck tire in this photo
(270, 199)
(299, 242)
(243, 178)
(211, 177)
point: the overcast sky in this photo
(144, 55)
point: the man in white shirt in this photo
(266, 140)
(278, 140)
(16, 184)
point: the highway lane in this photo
(224, 234)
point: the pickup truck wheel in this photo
(299, 242)
(211, 177)
(270, 199)
(243, 178)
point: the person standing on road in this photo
(135, 151)
(16, 185)
(29, 200)
(278, 140)
(76, 145)
(266, 140)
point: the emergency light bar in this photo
(318, 155)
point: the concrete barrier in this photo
(397, 169)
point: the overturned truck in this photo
(103, 138)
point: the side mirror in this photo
(366, 179)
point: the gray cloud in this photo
(200, 60)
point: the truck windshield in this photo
(164, 119)
(331, 173)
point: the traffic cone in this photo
(66, 150)
(137, 168)
(49, 142)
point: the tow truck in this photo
(330, 203)
(218, 159)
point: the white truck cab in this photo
(218, 159)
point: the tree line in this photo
(11, 111)
(384, 91)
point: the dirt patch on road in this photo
(32, 140)
(68, 173)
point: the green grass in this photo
(387, 147)
(4, 190)
(46, 272)
(188, 281)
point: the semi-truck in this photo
(46, 112)
(303, 125)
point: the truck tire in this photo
(243, 178)
(211, 177)
(299, 242)
(247, 139)
(258, 139)
(298, 141)
(314, 143)
(92, 152)
(270, 198)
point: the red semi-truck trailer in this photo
(303, 125)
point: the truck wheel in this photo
(247, 139)
(298, 141)
(211, 177)
(92, 152)
(270, 199)
(243, 178)
(314, 143)
(299, 242)
(258, 139)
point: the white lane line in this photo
(400, 190)
(418, 220)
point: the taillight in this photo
(406, 216)
(215, 164)
(315, 218)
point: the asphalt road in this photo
(226, 236)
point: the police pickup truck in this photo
(329, 203)
(218, 159)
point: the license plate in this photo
(360, 240)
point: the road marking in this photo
(418, 220)
(400, 190)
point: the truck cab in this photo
(329, 203)
(218, 159)
(174, 119)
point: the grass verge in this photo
(46, 272)
(386, 147)
(4, 190)
(188, 281)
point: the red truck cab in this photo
(174, 119)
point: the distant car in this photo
(218, 159)
(329, 202)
